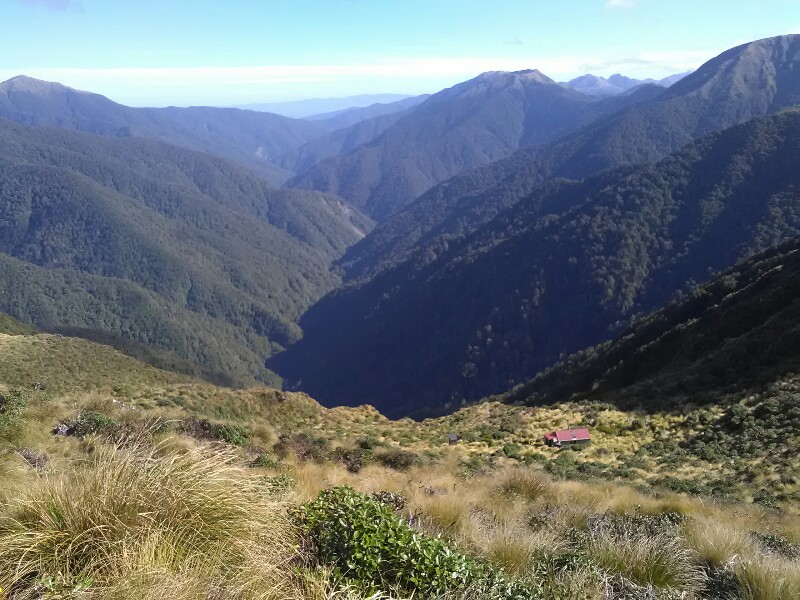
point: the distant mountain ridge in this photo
(311, 107)
(467, 125)
(593, 85)
(351, 116)
(253, 139)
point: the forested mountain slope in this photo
(468, 125)
(159, 245)
(342, 140)
(735, 334)
(254, 139)
(755, 79)
(559, 271)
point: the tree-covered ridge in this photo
(728, 337)
(751, 80)
(159, 245)
(255, 139)
(559, 271)
(468, 125)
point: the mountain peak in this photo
(533, 75)
(525, 75)
(23, 83)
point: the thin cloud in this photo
(178, 84)
(613, 4)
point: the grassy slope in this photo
(575, 538)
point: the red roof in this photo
(569, 435)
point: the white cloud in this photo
(279, 82)
(620, 3)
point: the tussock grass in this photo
(718, 544)
(660, 561)
(138, 524)
(768, 578)
(526, 483)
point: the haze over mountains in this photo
(519, 219)
(252, 138)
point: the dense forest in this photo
(159, 245)
(562, 269)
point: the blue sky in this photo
(223, 52)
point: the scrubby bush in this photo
(398, 459)
(367, 545)
(90, 422)
(12, 408)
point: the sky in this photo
(233, 52)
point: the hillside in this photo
(131, 239)
(748, 81)
(735, 334)
(559, 271)
(342, 140)
(254, 139)
(257, 477)
(468, 125)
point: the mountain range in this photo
(519, 220)
(475, 314)
(593, 85)
(254, 139)
(468, 125)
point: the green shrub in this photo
(264, 461)
(205, 429)
(89, 422)
(366, 545)
(231, 434)
(512, 450)
(353, 458)
(398, 459)
(12, 408)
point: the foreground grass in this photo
(201, 506)
(129, 522)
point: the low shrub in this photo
(365, 544)
(304, 446)
(12, 408)
(205, 429)
(90, 422)
(353, 459)
(397, 459)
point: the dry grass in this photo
(717, 543)
(662, 561)
(526, 483)
(136, 524)
(769, 578)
